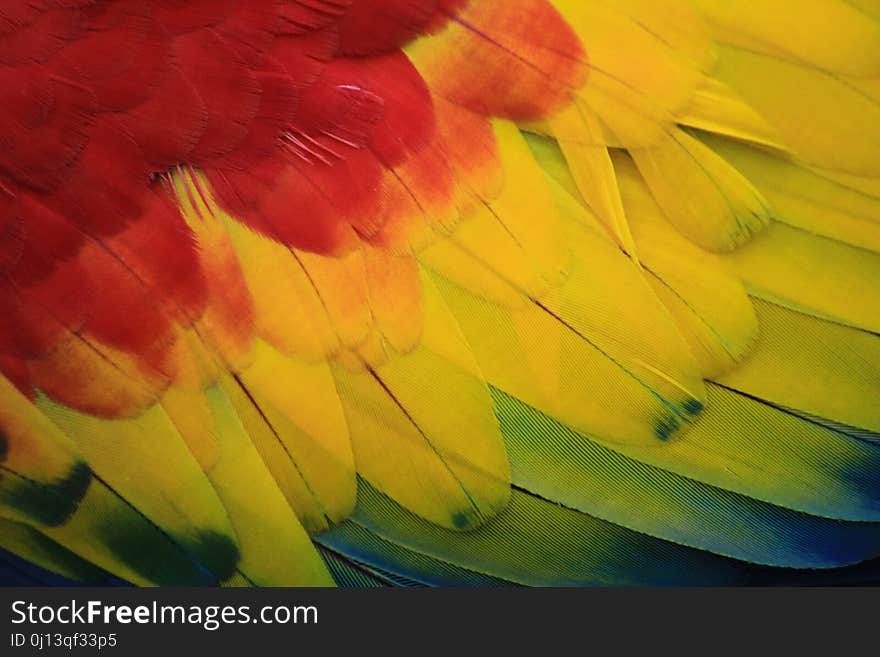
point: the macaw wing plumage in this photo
(547, 292)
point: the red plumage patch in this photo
(306, 119)
(37, 41)
(378, 26)
(44, 127)
(102, 190)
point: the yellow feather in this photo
(825, 120)
(818, 367)
(300, 403)
(259, 513)
(29, 544)
(805, 199)
(715, 107)
(831, 34)
(289, 313)
(30, 443)
(600, 352)
(517, 234)
(147, 462)
(813, 275)
(423, 427)
(707, 301)
(579, 134)
(341, 285)
(646, 61)
(395, 297)
(704, 197)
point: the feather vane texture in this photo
(440, 292)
